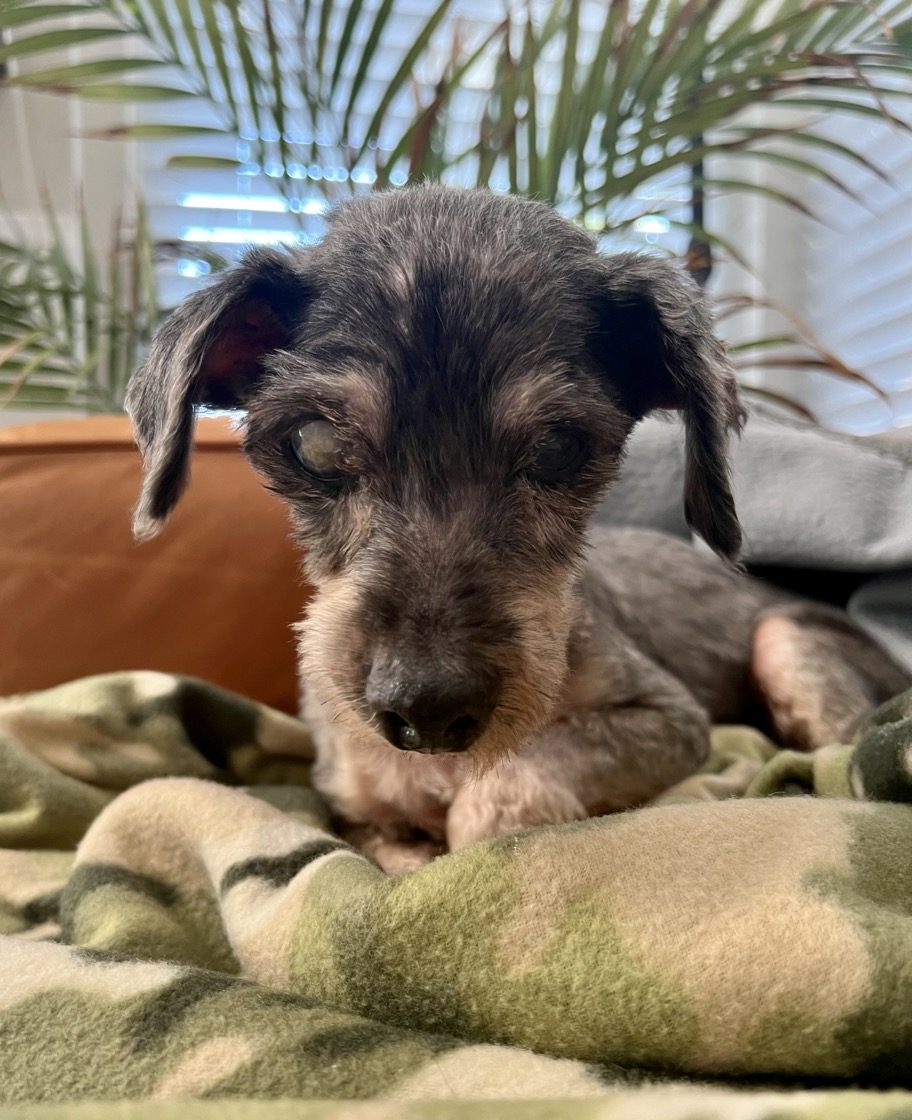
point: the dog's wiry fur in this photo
(445, 334)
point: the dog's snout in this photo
(431, 716)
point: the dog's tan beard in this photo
(328, 643)
(542, 619)
(534, 668)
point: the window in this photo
(858, 279)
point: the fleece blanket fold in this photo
(209, 936)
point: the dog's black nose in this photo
(442, 717)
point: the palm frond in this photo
(69, 334)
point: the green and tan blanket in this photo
(180, 922)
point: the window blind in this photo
(859, 281)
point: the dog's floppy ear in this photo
(209, 352)
(654, 341)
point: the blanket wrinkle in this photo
(179, 922)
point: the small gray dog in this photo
(441, 390)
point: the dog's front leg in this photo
(518, 794)
(394, 850)
(586, 764)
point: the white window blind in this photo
(859, 281)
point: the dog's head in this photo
(441, 391)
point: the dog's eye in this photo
(559, 456)
(318, 449)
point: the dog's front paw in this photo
(509, 800)
(393, 853)
(397, 857)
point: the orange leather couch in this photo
(213, 596)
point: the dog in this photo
(441, 390)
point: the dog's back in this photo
(688, 611)
(699, 620)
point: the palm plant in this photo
(71, 323)
(610, 109)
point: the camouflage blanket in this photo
(180, 922)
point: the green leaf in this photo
(38, 397)
(192, 39)
(401, 75)
(58, 40)
(63, 270)
(115, 357)
(216, 40)
(73, 76)
(803, 138)
(326, 9)
(34, 13)
(728, 184)
(90, 289)
(351, 18)
(761, 343)
(782, 399)
(155, 131)
(22, 377)
(633, 51)
(834, 105)
(561, 124)
(248, 66)
(796, 163)
(368, 53)
(278, 84)
(204, 163)
(14, 347)
(591, 94)
(131, 92)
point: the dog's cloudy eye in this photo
(559, 455)
(319, 450)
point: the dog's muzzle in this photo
(427, 713)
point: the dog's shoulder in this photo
(663, 590)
